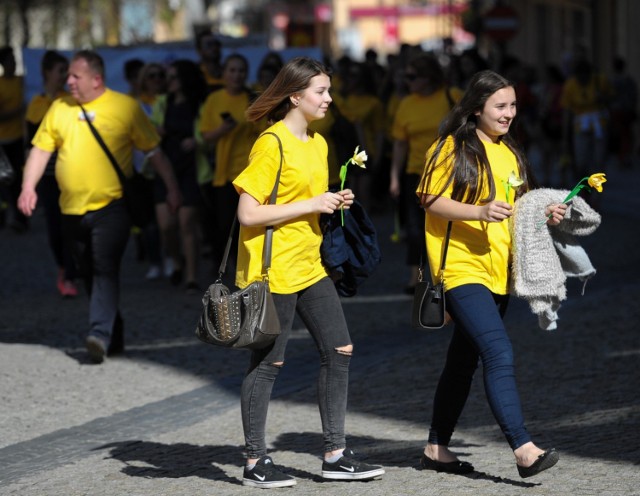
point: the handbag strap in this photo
(446, 247)
(268, 240)
(103, 145)
(443, 263)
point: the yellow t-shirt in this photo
(295, 261)
(582, 99)
(232, 149)
(212, 82)
(369, 112)
(417, 121)
(479, 252)
(390, 113)
(84, 173)
(11, 98)
(39, 105)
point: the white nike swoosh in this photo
(348, 469)
(261, 477)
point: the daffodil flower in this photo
(359, 158)
(513, 182)
(594, 181)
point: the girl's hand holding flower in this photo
(594, 181)
(347, 197)
(555, 213)
(495, 211)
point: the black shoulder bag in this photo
(428, 310)
(246, 318)
(136, 190)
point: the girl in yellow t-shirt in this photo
(299, 283)
(223, 124)
(466, 180)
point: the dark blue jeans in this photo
(479, 333)
(320, 309)
(99, 239)
(49, 196)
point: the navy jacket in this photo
(350, 252)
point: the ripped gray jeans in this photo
(320, 309)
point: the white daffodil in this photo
(359, 158)
(513, 182)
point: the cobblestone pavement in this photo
(164, 418)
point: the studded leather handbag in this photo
(246, 318)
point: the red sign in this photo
(501, 23)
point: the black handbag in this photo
(247, 318)
(429, 310)
(137, 190)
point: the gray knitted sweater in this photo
(544, 256)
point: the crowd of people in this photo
(441, 136)
(570, 119)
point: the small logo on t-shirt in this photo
(91, 115)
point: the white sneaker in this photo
(154, 272)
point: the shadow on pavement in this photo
(575, 382)
(156, 460)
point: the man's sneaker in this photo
(266, 475)
(97, 348)
(346, 468)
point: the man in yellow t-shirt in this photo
(95, 218)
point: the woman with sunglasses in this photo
(415, 127)
(186, 90)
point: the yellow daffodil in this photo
(359, 158)
(596, 180)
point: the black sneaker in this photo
(265, 474)
(346, 468)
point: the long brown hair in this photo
(471, 167)
(294, 77)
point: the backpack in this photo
(350, 253)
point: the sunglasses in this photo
(411, 77)
(155, 75)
